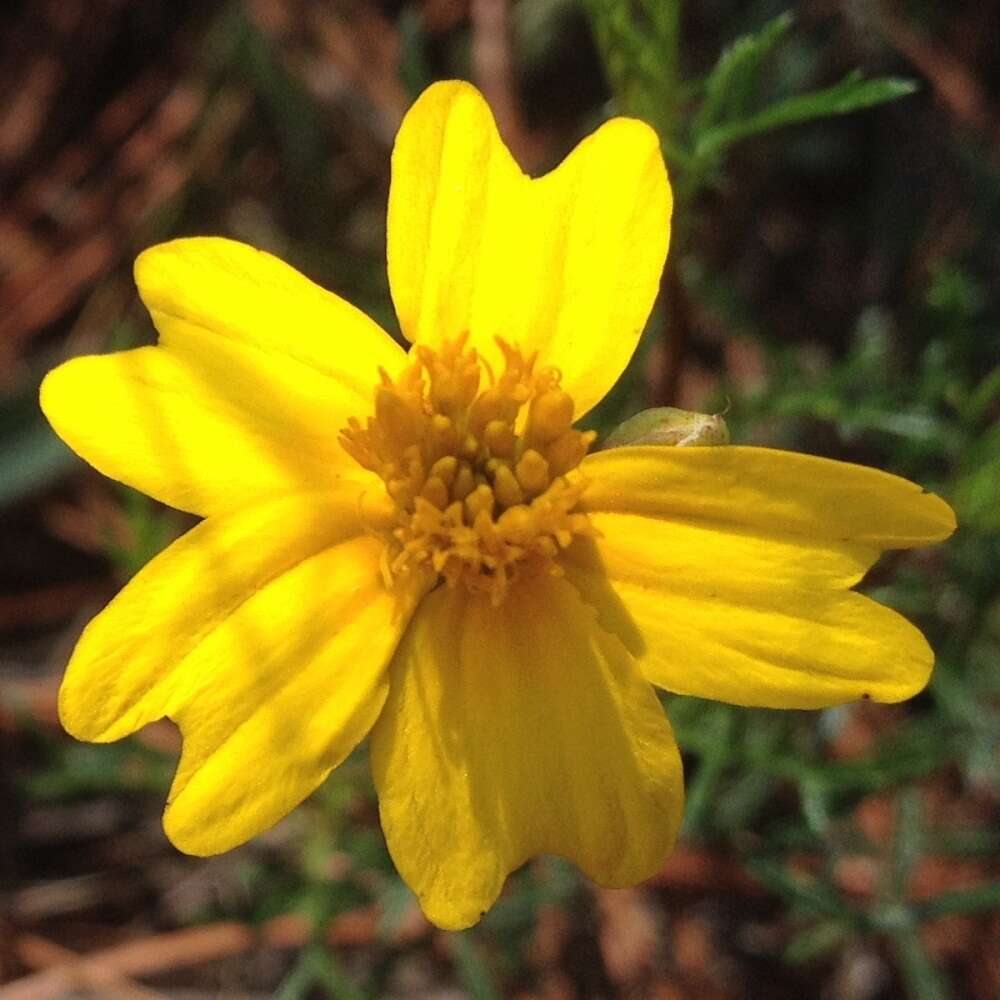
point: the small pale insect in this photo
(666, 425)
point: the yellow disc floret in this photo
(482, 478)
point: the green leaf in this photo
(907, 841)
(922, 977)
(711, 766)
(809, 895)
(31, 456)
(639, 43)
(978, 484)
(472, 968)
(151, 528)
(982, 397)
(981, 899)
(294, 114)
(317, 966)
(731, 85)
(851, 94)
(415, 71)
(31, 461)
(816, 941)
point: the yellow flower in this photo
(413, 546)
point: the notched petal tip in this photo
(521, 756)
(584, 244)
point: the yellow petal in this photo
(264, 635)
(514, 731)
(204, 434)
(726, 572)
(207, 290)
(776, 493)
(257, 371)
(568, 264)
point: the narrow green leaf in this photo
(711, 766)
(31, 456)
(151, 528)
(730, 85)
(907, 841)
(923, 979)
(811, 895)
(981, 899)
(474, 973)
(983, 396)
(317, 966)
(814, 796)
(851, 94)
(639, 43)
(978, 484)
(30, 460)
(663, 15)
(297, 984)
(293, 112)
(328, 973)
(816, 941)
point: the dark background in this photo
(833, 283)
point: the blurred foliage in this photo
(893, 362)
(928, 416)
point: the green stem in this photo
(980, 899)
(665, 18)
(715, 757)
(923, 979)
(472, 969)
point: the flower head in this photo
(481, 497)
(418, 547)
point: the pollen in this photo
(481, 469)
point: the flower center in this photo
(482, 477)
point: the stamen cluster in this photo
(481, 477)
